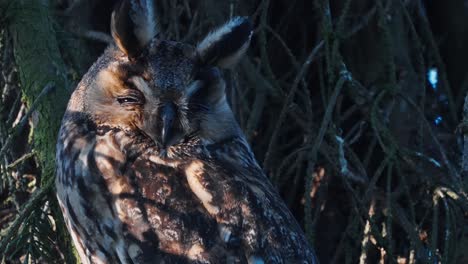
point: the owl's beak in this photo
(168, 114)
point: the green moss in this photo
(40, 63)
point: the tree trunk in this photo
(44, 83)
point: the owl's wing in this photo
(124, 207)
(86, 207)
(109, 217)
(249, 211)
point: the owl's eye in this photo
(132, 98)
(127, 100)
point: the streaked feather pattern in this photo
(152, 166)
(143, 202)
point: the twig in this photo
(367, 234)
(440, 63)
(442, 151)
(312, 157)
(30, 206)
(365, 20)
(344, 168)
(14, 110)
(96, 36)
(47, 89)
(19, 128)
(20, 160)
(389, 216)
(287, 102)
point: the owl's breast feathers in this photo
(125, 202)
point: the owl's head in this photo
(167, 90)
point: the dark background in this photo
(353, 108)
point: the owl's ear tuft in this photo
(133, 25)
(225, 46)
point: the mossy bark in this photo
(40, 65)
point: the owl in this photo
(151, 164)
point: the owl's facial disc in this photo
(167, 90)
(164, 113)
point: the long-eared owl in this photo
(152, 166)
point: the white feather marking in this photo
(99, 258)
(193, 172)
(232, 59)
(158, 160)
(141, 84)
(143, 16)
(134, 213)
(195, 251)
(217, 35)
(119, 207)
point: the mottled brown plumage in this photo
(151, 164)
